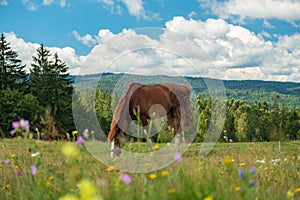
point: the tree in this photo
(51, 85)
(12, 72)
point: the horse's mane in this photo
(119, 113)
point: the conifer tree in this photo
(12, 72)
(50, 83)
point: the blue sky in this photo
(72, 28)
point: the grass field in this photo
(63, 170)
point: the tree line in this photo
(42, 95)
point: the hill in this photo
(251, 91)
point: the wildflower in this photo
(110, 169)
(171, 191)
(48, 183)
(24, 124)
(228, 160)
(15, 125)
(13, 155)
(177, 157)
(70, 150)
(69, 197)
(296, 190)
(152, 176)
(35, 154)
(209, 197)
(30, 136)
(156, 147)
(260, 161)
(88, 191)
(164, 173)
(254, 182)
(19, 173)
(241, 173)
(253, 170)
(7, 161)
(50, 178)
(75, 132)
(126, 179)
(225, 137)
(237, 188)
(79, 141)
(6, 187)
(230, 140)
(33, 169)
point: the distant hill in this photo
(251, 91)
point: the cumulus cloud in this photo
(210, 48)
(4, 3)
(287, 10)
(27, 49)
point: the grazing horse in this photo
(150, 102)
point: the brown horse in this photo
(150, 102)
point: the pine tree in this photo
(50, 83)
(12, 72)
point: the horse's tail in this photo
(185, 106)
(121, 112)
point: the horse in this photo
(144, 102)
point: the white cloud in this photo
(87, 39)
(287, 10)
(47, 2)
(134, 8)
(4, 3)
(211, 48)
(27, 49)
(192, 14)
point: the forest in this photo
(255, 110)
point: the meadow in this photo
(32, 169)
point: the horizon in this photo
(231, 40)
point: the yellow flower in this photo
(88, 191)
(171, 191)
(237, 188)
(222, 172)
(210, 197)
(6, 187)
(48, 183)
(30, 136)
(164, 173)
(110, 169)
(297, 190)
(228, 160)
(69, 197)
(156, 147)
(50, 178)
(13, 155)
(266, 168)
(75, 132)
(152, 176)
(70, 150)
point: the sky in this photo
(227, 39)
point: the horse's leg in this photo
(174, 122)
(112, 148)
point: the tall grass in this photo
(230, 171)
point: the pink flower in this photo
(177, 157)
(79, 141)
(33, 169)
(6, 161)
(126, 179)
(24, 124)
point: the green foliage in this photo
(12, 73)
(14, 106)
(51, 85)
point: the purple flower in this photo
(15, 125)
(24, 124)
(225, 137)
(241, 173)
(19, 173)
(177, 157)
(253, 170)
(79, 141)
(12, 132)
(126, 179)
(254, 182)
(6, 161)
(230, 140)
(33, 169)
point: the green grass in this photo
(212, 177)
